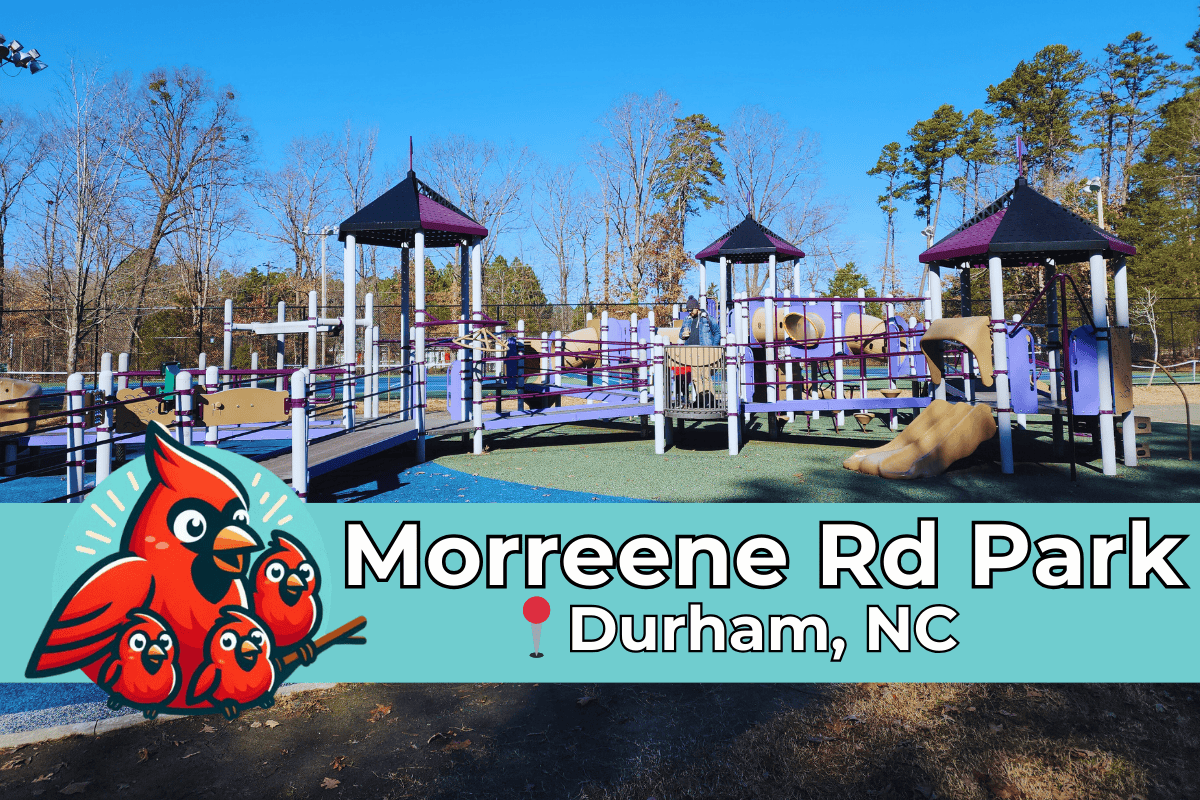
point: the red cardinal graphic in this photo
(141, 670)
(185, 554)
(237, 670)
(286, 581)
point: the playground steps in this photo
(338, 450)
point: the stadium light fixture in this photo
(10, 52)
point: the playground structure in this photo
(782, 355)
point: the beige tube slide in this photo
(805, 330)
(940, 435)
(969, 331)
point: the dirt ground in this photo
(627, 742)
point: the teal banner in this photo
(888, 592)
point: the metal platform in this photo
(337, 450)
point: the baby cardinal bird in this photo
(237, 671)
(185, 554)
(286, 581)
(142, 668)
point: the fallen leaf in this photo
(189, 755)
(435, 736)
(970, 708)
(271, 723)
(459, 745)
(45, 777)
(256, 724)
(339, 763)
(208, 729)
(380, 712)
(74, 788)
(144, 755)
(15, 763)
(330, 783)
(1006, 713)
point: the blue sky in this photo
(857, 74)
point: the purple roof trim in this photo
(436, 216)
(785, 249)
(1118, 245)
(713, 248)
(973, 241)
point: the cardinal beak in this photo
(234, 539)
(249, 647)
(156, 651)
(295, 581)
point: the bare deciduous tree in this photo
(773, 172)
(627, 164)
(211, 214)
(183, 128)
(88, 181)
(21, 150)
(1142, 310)
(355, 160)
(486, 181)
(554, 218)
(300, 194)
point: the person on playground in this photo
(699, 328)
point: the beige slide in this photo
(940, 435)
(970, 331)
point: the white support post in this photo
(375, 368)
(889, 311)
(212, 380)
(368, 365)
(702, 294)
(839, 349)
(75, 453)
(281, 349)
(861, 364)
(312, 332)
(298, 396)
(406, 392)
(771, 372)
(743, 321)
(732, 419)
(660, 390)
(122, 368)
(350, 327)
(968, 362)
(723, 300)
(1000, 362)
(104, 394)
(254, 369)
(558, 348)
(227, 336)
(183, 407)
(643, 373)
(418, 268)
(1121, 303)
(796, 277)
(202, 361)
(935, 308)
(1054, 333)
(604, 348)
(520, 364)
(1108, 445)
(477, 363)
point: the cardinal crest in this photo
(193, 613)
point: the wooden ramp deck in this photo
(368, 438)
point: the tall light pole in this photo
(10, 53)
(1094, 187)
(326, 231)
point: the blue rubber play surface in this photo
(431, 483)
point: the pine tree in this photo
(933, 143)
(978, 148)
(892, 168)
(1040, 101)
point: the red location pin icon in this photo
(537, 611)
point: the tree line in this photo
(129, 206)
(1129, 116)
